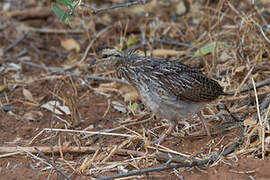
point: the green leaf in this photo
(64, 16)
(68, 22)
(132, 41)
(134, 107)
(65, 2)
(209, 48)
(58, 11)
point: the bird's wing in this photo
(188, 84)
(176, 81)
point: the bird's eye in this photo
(107, 56)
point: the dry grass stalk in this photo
(261, 127)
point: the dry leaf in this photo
(208, 111)
(250, 122)
(240, 69)
(129, 93)
(166, 52)
(55, 107)
(28, 95)
(108, 87)
(113, 85)
(131, 96)
(28, 103)
(70, 44)
(224, 56)
(33, 115)
(119, 107)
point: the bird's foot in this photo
(204, 122)
(164, 135)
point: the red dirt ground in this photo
(22, 167)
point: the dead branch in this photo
(171, 42)
(68, 149)
(29, 29)
(47, 149)
(15, 43)
(257, 85)
(97, 10)
(237, 98)
(58, 71)
(33, 13)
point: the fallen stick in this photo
(237, 98)
(10, 151)
(48, 149)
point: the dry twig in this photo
(97, 10)
(58, 71)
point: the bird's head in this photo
(110, 55)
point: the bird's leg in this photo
(204, 122)
(166, 133)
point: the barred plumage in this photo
(171, 89)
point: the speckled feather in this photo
(169, 78)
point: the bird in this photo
(171, 89)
